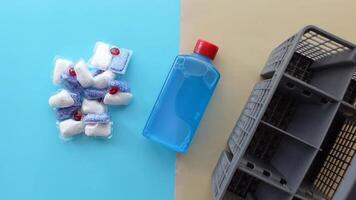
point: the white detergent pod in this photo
(92, 106)
(119, 98)
(61, 100)
(84, 76)
(60, 66)
(102, 130)
(71, 127)
(102, 56)
(101, 81)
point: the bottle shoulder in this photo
(193, 60)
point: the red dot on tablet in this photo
(114, 90)
(72, 72)
(78, 116)
(115, 51)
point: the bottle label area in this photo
(182, 102)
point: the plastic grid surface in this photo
(299, 67)
(220, 171)
(278, 55)
(268, 108)
(263, 144)
(315, 46)
(338, 160)
(242, 183)
(249, 115)
(280, 110)
(350, 96)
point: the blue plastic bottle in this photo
(183, 98)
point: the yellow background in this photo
(246, 32)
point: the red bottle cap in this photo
(206, 48)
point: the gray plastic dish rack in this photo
(296, 137)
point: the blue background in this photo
(34, 162)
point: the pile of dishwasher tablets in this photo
(81, 107)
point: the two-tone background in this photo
(36, 164)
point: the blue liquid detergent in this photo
(183, 98)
